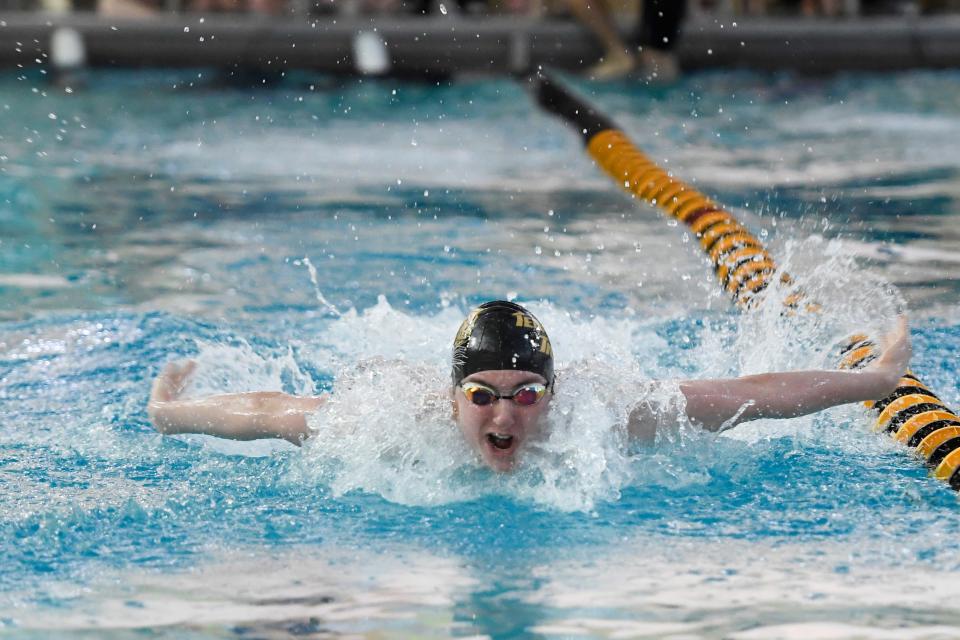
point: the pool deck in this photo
(450, 45)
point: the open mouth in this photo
(500, 441)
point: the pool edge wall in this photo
(425, 46)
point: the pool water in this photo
(317, 235)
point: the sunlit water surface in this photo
(314, 236)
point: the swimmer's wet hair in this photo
(501, 335)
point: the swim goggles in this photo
(524, 395)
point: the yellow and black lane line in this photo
(718, 232)
(912, 414)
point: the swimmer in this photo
(503, 382)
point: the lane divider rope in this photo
(912, 414)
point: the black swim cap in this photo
(501, 335)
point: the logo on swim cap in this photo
(501, 335)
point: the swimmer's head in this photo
(502, 381)
(501, 335)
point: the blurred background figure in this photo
(147, 8)
(829, 8)
(534, 8)
(753, 7)
(657, 30)
(121, 8)
(268, 7)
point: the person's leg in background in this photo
(618, 59)
(659, 29)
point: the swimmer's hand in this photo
(895, 358)
(170, 383)
(238, 416)
(723, 403)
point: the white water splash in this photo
(239, 368)
(312, 270)
(388, 428)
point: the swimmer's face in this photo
(498, 430)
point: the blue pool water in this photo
(156, 216)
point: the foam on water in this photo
(851, 301)
(346, 588)
(652, 587)
(388, 429)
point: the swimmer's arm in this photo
(720, 404)
(239, 416)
